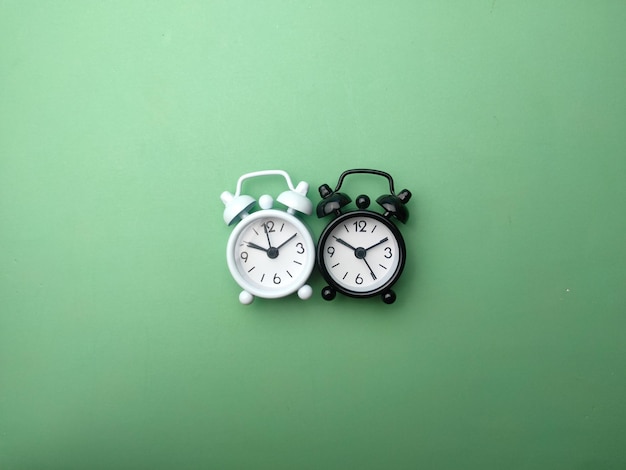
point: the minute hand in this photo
(386, 239)
(286, 241)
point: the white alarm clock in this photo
(270, 252)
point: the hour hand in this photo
(255, 246)
(344, 243)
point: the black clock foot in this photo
(328, 293)
(389, 297)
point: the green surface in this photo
(122, 343)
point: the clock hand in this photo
(339, 240)
(255, 246)
(286, 241)
(269, 243)
(386, 239)
(370, 268)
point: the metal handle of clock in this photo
(238, 205)
(365, 171)
(254, 174)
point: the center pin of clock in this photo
(272, 252)
(360, 252)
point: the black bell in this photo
(395, 205)
(332, 202)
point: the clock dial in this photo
(272, 254)
(362, 253)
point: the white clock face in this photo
(271, 254)
(361, 253)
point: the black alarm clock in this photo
(361, 253)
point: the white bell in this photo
(296, 200)
(236, 207)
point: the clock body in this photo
(270, 254)
(361, 254)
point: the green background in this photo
(122, 343)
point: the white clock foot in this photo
(305, 292)
(246, 297)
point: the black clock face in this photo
(361, 253)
